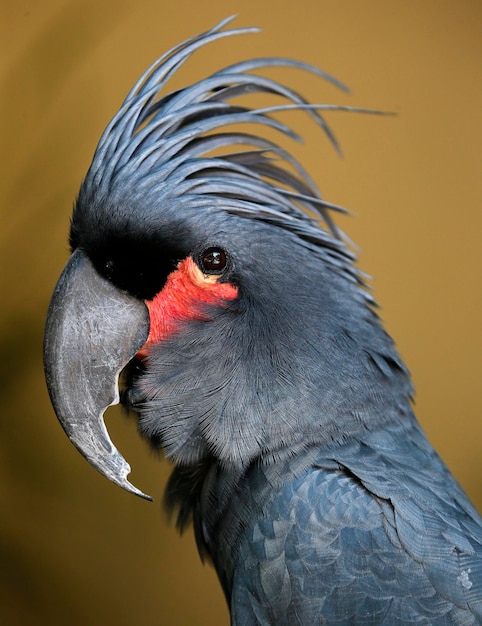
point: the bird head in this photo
(207, 267)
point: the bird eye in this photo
(213, 261)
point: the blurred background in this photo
(75, 549)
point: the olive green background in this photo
(75, 549)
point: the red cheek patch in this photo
(182, 298)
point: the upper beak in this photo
(93, 330)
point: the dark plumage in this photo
(280, 399)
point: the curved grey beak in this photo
(93, 330)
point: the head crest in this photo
(186, 146)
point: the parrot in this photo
(210, 292)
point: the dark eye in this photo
(213, 261)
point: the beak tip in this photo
(125, 484)
(139, 493)
(101, 453)
(120, 479)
